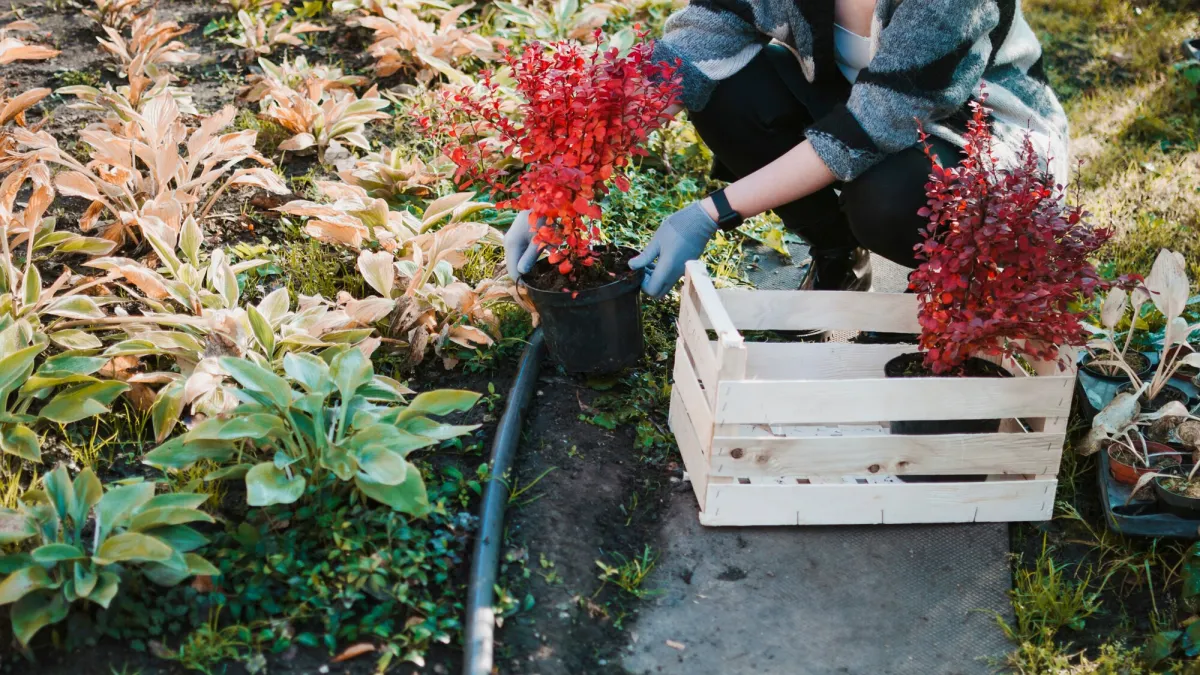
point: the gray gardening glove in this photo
(520, 253)
(681, 237)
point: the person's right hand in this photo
(520, 253)
(681, 237)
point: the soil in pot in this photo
(1138, 362)
(1184, 372)
(592, 320)
(912, 365)
(1178, 494)
(1165, 395)
(1126, 468)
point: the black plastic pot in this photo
(1184, 507)
(1191, 49)
(1165, 395)
(901, 367)
(1140, 363)
(598, 330)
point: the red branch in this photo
(1004, 258)
(583, 115)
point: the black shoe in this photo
(842, 269)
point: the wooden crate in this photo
(792, 433)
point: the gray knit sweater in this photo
(929, 58)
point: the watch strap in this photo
(727, 218)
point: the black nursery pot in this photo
(597, 330)
(1165, 395)
(1184, 507)
(911, 365)
(1136, 360)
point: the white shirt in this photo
(852, 52)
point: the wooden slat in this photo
(880, 503)
(710, 302)
(688, 388)
(702, 351)
(818, 361)
(826, 310)
(887, 455)
(689, 446)
(849, 401)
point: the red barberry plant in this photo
(579, 115)
(1004, 258)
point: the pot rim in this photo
(588, 296)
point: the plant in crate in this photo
(1004, 259)
(1168, 287)
(85, 537)
(575, 118)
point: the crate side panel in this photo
(870, 400)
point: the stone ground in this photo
(889, 600)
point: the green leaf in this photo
(175, 454)
(32, 287)
(179, 537)
(407, 497)
(1190, 573)
(15, 526)
(1160, 646)
(256, 378)
(74, 339)
(106, 589)
(118, 503)
(423, 426)
(15, 367)
(14, 561)
(167, 408)
(262, 330)
(24, 581)
(198, 565)
(440, 402)
(53, 553)
(225, 473)
(266, 485)
(310, 371)
(75, 307)
(88, 493)
(71, 364)
(19, 440)
(257, 426)
(171, 515)
(350, 370)
(85, 579)
(383, 466)
(132, 546)
(387, 437)
(61, 492)
(36, 611)
(182, 500)
(84, 401)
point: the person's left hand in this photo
(681, 237)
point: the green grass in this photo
(1090, 600)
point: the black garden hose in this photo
(480, 623)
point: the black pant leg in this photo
(755, 117)
(881, 204)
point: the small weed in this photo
(628, 574)
(207, 646)
(630, 509)
(86, 449)
(550, 574)
(75, 78)
(312, 268)
(270, 133)
(1046, 601)
(517, 491)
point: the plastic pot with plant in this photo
(1136, 441)
(1004, 259)
(1167, 286)
(551, 139)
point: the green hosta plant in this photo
(64, 384)
(84, 536)
(325, 418)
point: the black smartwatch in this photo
(727, 218)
